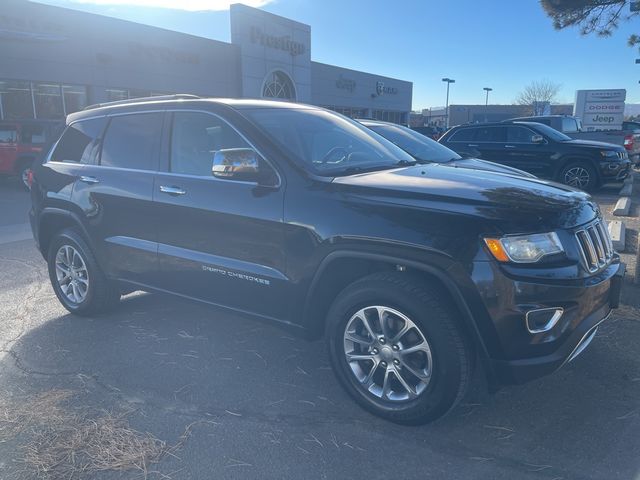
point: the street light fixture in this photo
(487, 89)
(486, 103)
(446, 108)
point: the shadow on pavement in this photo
(275, 409)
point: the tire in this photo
(579, 175)
(441, 366)
(92, 292)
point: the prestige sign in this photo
(279, 43)
(600, 109)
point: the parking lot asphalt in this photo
(240, 399)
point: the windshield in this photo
(326, 143)
(415, 144)
(552, 133)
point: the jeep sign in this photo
(600, 109)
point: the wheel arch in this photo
(53, 220)
(352, 265)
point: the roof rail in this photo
(177, 96)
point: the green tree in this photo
(599, 17)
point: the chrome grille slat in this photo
(606, 244)
(595, 245)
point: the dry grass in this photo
(72, 443)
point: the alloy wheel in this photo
(72, 274)
(388, 354)
(577, 177)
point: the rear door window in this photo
(132, 141)
(463, 135)
(80, 142)
(491, 134)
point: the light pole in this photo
(446, 108)
(487, 89)
(486, 103)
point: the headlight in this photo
(524, 248)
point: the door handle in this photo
(472, 145)
(89, 179)
(172, 190)
(509, 146)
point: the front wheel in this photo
(579, 175)
(397, 349)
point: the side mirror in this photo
(537, 139)
(240, 164)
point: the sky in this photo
(501, 44)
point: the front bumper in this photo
(523, 356)
(618, 170)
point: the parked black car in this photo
(300, 216)
(628, 136)
(426, 150)
(542, 151)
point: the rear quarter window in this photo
(79, 142)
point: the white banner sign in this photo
(600, 109)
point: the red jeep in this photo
(21, 142)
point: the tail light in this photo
(30, 178)
(628, 142)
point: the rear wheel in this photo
(77, 280)
(397, 349)
(579, 175)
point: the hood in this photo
(594, 144)
(477, 164)
(513, 203)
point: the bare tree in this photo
(601, 17)
(537, 95)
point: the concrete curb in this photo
(617, 232)
(622, 207)
(636, 278)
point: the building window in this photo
(17, 102)
(21, 100)
(279, 85)
(75, 98)
(48, 100)
(116, 94)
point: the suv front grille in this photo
(622, 155)
(595, 245)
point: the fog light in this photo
(543, 319)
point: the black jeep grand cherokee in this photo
(297, 215)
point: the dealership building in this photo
(56, 61)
